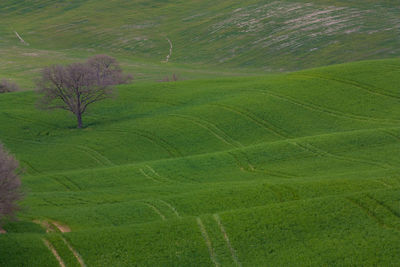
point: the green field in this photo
(210, 38)
(295, 169)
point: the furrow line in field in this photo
(156, 211)
(207, 241)
(226, 238)
(171, 207)
(148, 176)
(212, 128)
(364, 87)
(30, 166)
(80, 148)
(391, 134)
(99, 155)
(253, 118)
(76, 254)
(171, 151)
(54, 252)
(50, 202)
(324, 152)
(16, 117)
(61, 183)
(72, 182)
(250, 168)
(383, 205)
(332, 112)
(314, 150)
(158, 175)
(371, 214)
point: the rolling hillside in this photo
(219, 36)
(282, 170)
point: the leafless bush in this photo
(6, 86)
(9, 184)
(173, 78)
(74, 87)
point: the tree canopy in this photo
(76, 86)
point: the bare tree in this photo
(9, 184)
(7, 86)
(108, 71)
(74, 87)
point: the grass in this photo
(288, 169)
(209, 39)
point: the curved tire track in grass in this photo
(158, 141)
(332, 112)
(171, 208)
(100, 159)
(154, 176)
(372, 214)
(30, 166)
(365, 87)
(212, 128)
(383, 205)
(253, 118)
(207, 241)
(106, 161)
(226, 238)
(74, 252)
(172, 150)
(38, 122)
(321, 152)
(155, 210)
(148, 176)
(158, 175)
(307, 146)
(52, 226)
(61, 183)
(53, 251)
(248, 167)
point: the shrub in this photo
(9, 185)
(6, 86)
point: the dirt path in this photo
(20, 38)
(170, 50)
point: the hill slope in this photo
(290, 169)
(274, 36)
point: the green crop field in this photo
(296, 169)
(278, 146)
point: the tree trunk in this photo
(79, 118)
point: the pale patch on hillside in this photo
(286, 25)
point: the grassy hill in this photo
(220, 36)
(290, 169)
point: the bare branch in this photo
(74, 87)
